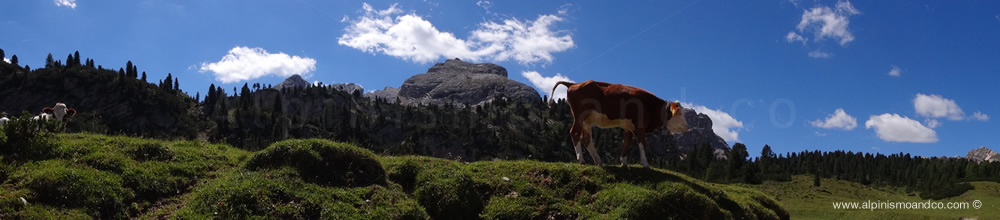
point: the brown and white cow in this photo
(60, 112)
(607, 105)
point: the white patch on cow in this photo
(59, 111)
(43, 116)
(593, 153)
(642, 155)
(579, 151)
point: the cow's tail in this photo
(551, 94)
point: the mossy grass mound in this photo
(322, 162)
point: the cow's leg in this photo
(626, 147)
(576, 133)
(589, 141)
(642, 149)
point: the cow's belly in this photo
(601, 120)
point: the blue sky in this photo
(870, 76)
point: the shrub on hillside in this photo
(24, 137)
(950, 190)
(323, 162)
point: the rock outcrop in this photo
(348, 87)
(292, 82)
(700, 133)
(983, 154)
(389, 94)
(459, 82)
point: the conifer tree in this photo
(49, 61)
(76, 58)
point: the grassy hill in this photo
(805, 201)
(82, 176)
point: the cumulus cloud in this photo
(829, 23)
(820, 54)
(723, 124)
(6, 60)
(895, 71)
(838, 120)
(66, 3)
(896, 128)
(412, 38)
(244, 63)
(980, 116)
(935, 106)
(545, 83)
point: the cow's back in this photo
(616, 101)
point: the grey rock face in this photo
(456, 81)
(983, 154)
(388, 93)
(348, 87)
(292, 82)
(700, 132)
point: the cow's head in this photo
(61, 112)
(674, 114)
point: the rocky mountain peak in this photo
(461, 67)
(459, 82)
(983, 154)
(292, 82)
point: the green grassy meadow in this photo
(84, 176)
(804, 201)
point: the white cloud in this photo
(486, 5)
(839, 120)
(794, 2)
(243, 63)
(821, 134)
(826, 22)
(980, 116)
(820, 54)
(935, 106)
(6, 60)
(896, 128)
(932, 123)
(66, 3)
(895, 71)
(723, 124)
(545, 83)
(792, 37)
(410, 37)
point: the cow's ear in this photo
(48, 110)
(70, 112)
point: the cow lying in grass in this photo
(609, 105)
